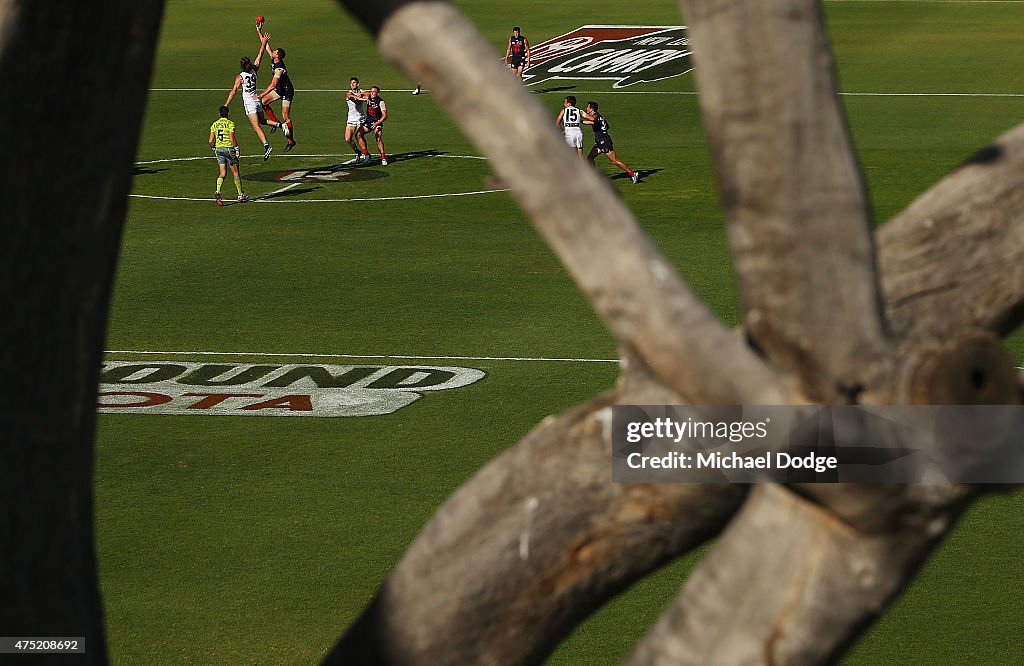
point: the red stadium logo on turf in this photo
(270, 389)
(625, 54)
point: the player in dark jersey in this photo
(603, 140)
(280, 88)
(376, 112)
(517, 55)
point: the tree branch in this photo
(61, 236)
(576, 210)
(954, 259)
(814, 583)
(796, 207)
(531, 545)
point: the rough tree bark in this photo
(63, 215)
(541, 536)
(808, 566)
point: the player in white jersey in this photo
(571, 120)
(246, 82)
(355, 100)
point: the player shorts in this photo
(368, 125)
(574, 139)
(517, 62)
(354, 120)
(604, 144)
(226, 156)
(287, 94)
(252, 105)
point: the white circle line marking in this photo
(264, 200)
(269, 198)
(253, 157)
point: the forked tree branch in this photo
(954, 259)
(541, 536)
(634, 289)
(531, 545)
(810, 586)
(794, 198)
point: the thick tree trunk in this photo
(81, 70)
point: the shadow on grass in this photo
(642, 172)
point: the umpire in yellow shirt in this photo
(225, 147)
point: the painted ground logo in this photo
(245, 389)
(333, 173)
(624, 54)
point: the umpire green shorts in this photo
(226, 156)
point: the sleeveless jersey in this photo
(571, 119)
(518, 45)
(373, 111)
(249, 84)
(284, 86)
(600, 126)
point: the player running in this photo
(246, 81)
(355, 99)
(517, 55)
(571, 118)
(225, 147)
(603, 141)
(373, 121)
(280, 88)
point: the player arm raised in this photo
(266, 44)
(264, 38)
(234, 89)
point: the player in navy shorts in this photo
(373, 121)
(603, 141)
(517, 55)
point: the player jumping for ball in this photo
(280, 88)
(246, 81)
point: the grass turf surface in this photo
(258, 540)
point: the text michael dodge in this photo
(732, 460)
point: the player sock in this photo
(630, 172)
(238, 186)
(220, 181)
(269, 113)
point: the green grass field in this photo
(245, 540)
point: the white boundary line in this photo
(264, 200)
(252, 157)
(691, 93)
(540, 359)
(269, 198)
